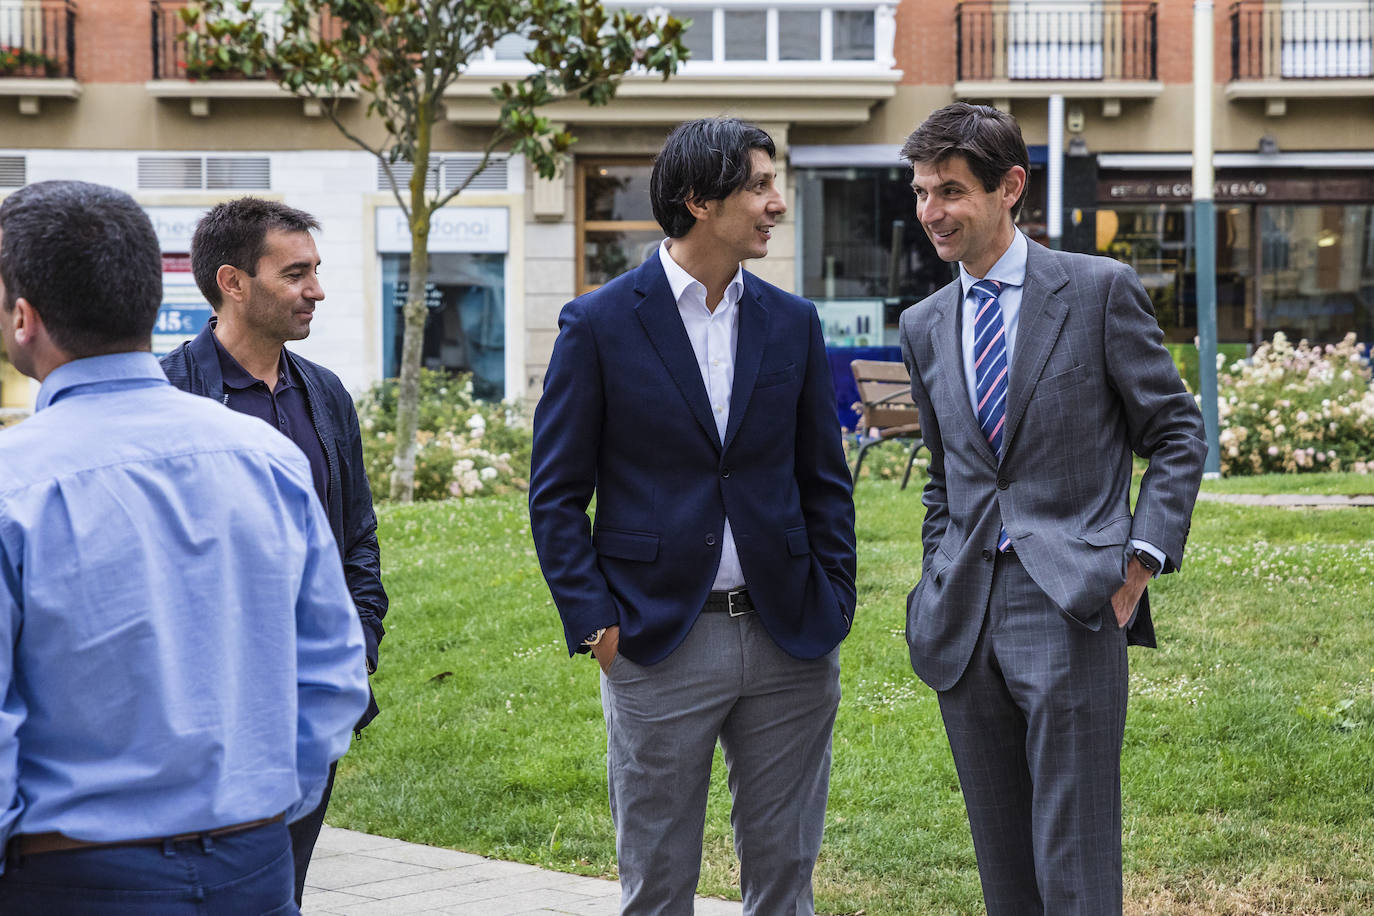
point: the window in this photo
(860, 241)
(1327, 38)
(466, 327)
(616, 229)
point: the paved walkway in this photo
(357, 873)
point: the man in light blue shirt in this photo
(180, 661)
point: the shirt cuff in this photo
(1153, 551)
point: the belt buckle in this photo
(730, 603)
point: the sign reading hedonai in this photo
(484, 229)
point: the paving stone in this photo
(342, 872)
(355, 874)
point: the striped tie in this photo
(990, 371)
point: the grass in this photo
(1248, 781)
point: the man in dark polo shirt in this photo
(256, 264)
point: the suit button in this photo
(724, 472)
(987, 554)
(1003, 483)
(710, 540)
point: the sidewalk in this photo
(357, 873)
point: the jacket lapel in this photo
(1042, 316)
(657, 311)
(950, 346)
(753, 331)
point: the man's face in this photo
(743, 222)
(965, 222)
(280, 300)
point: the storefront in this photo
(1295, 248)
(862, 255)
(466, 330)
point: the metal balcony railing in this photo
(1056, 40)
(38, 39)
(1302, 39)
(169, 42)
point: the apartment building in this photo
(94, 89)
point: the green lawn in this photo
(1249, 758)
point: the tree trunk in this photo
(415, 313)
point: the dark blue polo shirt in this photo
(285, 407)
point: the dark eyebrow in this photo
(298, 265)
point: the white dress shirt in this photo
(713, 336)
(1010, 272)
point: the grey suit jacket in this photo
(1090, 383)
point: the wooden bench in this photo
(887, 412)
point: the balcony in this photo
(172, 79)
(1294, 49)
(1077, 48)
(38, 51)
(784, 61)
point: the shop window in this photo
(465, 330)
(1317, 277)
(1157, 241)
(616, 229)
(864, 256)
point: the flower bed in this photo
(1297, 408)
(465, 447)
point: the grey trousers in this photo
(773, 715)
(1036, 726)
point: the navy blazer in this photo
(625, 415)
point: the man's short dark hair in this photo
(989, 140)
(235, 233)
(87, 259)
(702, 160)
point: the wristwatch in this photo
(1147, 560)
(595, 639)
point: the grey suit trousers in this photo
(1036, 725)
(773, 715)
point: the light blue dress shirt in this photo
(178, 649)
(1010, 273)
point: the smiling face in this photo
(965, 222)
(279, 301)
(741, 224)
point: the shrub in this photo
(1303, 408)
(465, 447)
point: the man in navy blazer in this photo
(717, 581)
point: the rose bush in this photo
(466, 447)
(1297, 408)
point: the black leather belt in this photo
(735, 602)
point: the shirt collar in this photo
(135, 366)
(680, 280)
(1010, 269)
(235, 376)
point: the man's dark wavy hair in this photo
(85, 256)
(989, 140)
(702, 160)
(235, 233)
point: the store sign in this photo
(1150, 190)
(183, 311)
(175, 225)
(1266, 187)
(451, 229)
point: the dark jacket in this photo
(194, 367)
(625, 414)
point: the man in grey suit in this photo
(1037, 374)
